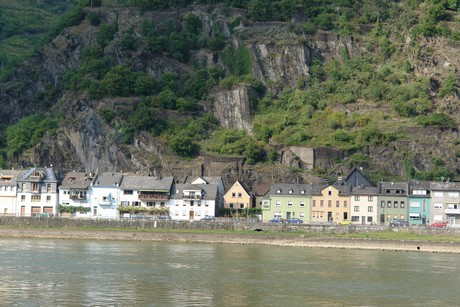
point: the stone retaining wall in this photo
(55, 222)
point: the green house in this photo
(287, 201)
(392, 202)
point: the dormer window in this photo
(278, 191)
(302, 192)
(290, 191)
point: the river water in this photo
(37, 272)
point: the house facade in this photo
(104, 195)
(392, 201)
(288, 201)
(363, 205)
(211, 180)
(239, 196)
(331, 204)
(37, 193)
(445, 203)
(419, 202)
(8, 191)
(74, 193)
(192, 202)
(146, 194)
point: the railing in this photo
(452, 211)
(35, 178)
(153, 196)
(77, 196)
(185, 196)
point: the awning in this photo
(414, 215)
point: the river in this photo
(38, 272)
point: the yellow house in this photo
(239, 196)
(331, 204)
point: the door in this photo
(329, 217)
(382, 219)
(363, 220)
(452, 221)
(191, 215)
(23, 210)
(288, 215)
(95, 211)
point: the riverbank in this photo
(289, 240)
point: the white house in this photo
(104, 195)
(192, 202)
(211, 180)
(37, 192)
(145, 193)
(8, 190)
(74, 193)
(363, 205)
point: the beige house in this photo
(239, 196)
(331, 204)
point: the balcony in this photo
(192, 196)
(77, 196)
(452, 211)
(153, 196)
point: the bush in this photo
(439, 120)
(184, 146)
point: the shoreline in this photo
(231, 238)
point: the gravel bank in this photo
(265, 239)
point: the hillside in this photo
(254, 90)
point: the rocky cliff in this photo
(280, 56)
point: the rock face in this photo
(280, 56)
(232, 108)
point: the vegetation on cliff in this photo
(381, 84)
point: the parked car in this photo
(43, 215)
(439, 224)
(294, 221)
(276, 220)
(140, 216)
(344, 222)
(399, 223)
(208, 218)
(163, 218)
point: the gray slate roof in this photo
(77, 180)
(210, 191)
(14, 174)
(364, 190)
(48, 174)
(286, 189)
(108, 179)
(146, 183)
(445, 186)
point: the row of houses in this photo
(114, 195)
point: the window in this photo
(302, 192)
(191, 203)
(278, 203)
(128, 192)
(48, 187)
(395, 204)
(370, 198)
(382, 204)
(266, 204)
(356, 208)
(48, 199)
(437, 206)
(438, 194)
(302, 214)
(388, 217)
(152, 204)
(370, 209)
(414, 204)
(314, 203)
(389, 204)
(36, 198)
(136, 203)
(357, 198)
(402, 204)
(395, 216)
(337, 203)
(239, 194)
(231, 206)
(241, 206)
(23, 187)
(23, 198)
(355, 218)
(35, 187)
(290, 191)
(290, 203)
(302, 204)
(184, 213)
(369, 219)
(329, 203)
(233, 194)
(124, 203)
(321, 203)
(329, 193)
(278, 191)
(345, 204)
(402, 217)
(453, 194)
